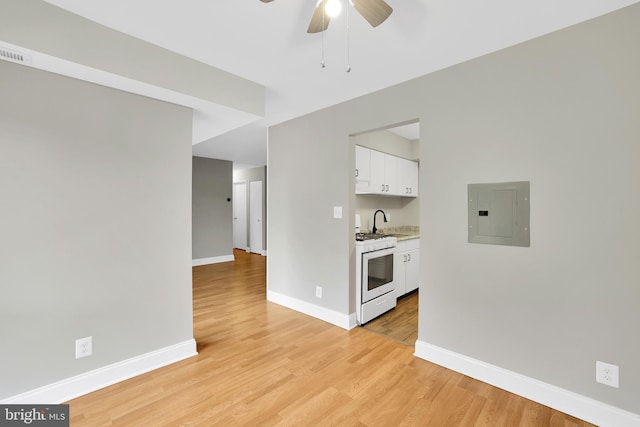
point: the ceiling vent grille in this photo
(14, 56)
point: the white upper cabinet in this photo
(384, 174)
(363, 175)
(407, 178)
(384, 170)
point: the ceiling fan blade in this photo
(317, 23)
(374, 11)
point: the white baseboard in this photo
(342, 320)
(212, 260)
(70, 388)
(353, 320)
(557, 398)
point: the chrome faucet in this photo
(374, 220)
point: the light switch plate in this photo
(337, 212)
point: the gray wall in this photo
(248, 175)
(95, 221)
(310, 171)
(560, 111)
(212, 213)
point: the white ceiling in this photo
(268, 43)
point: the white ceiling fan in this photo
(374, 11)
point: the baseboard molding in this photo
(557, 398)
(70, 388)
(212, 260)
(353, 320)
(342, 320)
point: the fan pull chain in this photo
(348, 40)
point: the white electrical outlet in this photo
(318, 291)
(84, 347)
(607, 374)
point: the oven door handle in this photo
(379, 253)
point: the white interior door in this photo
(255, 216)
(240, 216)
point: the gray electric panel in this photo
(499, 213)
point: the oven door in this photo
(377, 273)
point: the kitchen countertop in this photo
(402, 232)
(402, 237)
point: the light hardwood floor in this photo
(401, 323)
(261, 364)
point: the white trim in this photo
(212, 260)
(566, 401)
(263, 253)
(342, 320)
(70, 388)
(353, 320)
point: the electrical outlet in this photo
(84, 347)
(607, 374)
(318, 291)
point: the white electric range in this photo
(375, 289)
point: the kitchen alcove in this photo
(398, 145)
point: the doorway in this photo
(399, 146)
(255, 217)
(240, 216)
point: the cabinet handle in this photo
(387, 188)
(357, 172)
(409, 257)
(406, 190)
(405, 257)
(382, 187)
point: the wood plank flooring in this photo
(401, 323)
(261, 364)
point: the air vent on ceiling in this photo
(14, 56)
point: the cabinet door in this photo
(399, 273)
(391, 174)
(412, 172)
(412, 275)
(377, 172)
(363, 169)
(407, 178)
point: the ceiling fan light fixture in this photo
(333, 8)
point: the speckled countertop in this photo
(401, 232)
